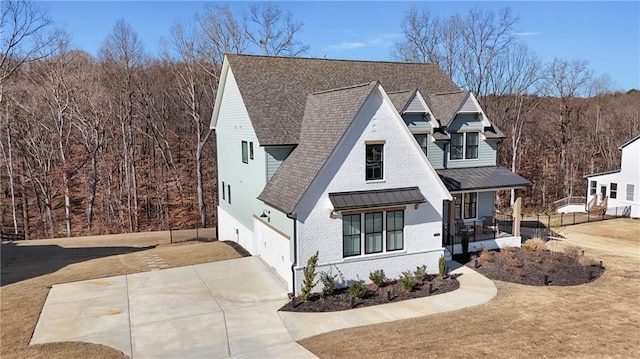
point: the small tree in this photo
(356, 289)
(407, 282)
(328, 283)
(442, 266)
(309, 277)
(377, 277)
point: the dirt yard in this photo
(596, 320)
(29, 268)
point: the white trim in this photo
(464, 146)
(221, 86)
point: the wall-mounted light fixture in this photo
(266, 214)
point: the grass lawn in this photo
(29, 269)
(595, 320)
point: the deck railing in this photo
(568, 201)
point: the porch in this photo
(490, 233)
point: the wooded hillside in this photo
(120, 142)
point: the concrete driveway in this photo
(224, 309)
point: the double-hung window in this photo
(630, 190)
(374, 162)
(464, 146)
(395, 230)
(592, 188)
(423, 141)
(457, 146)
(465, 205)
(373, 232)
(613, 190)
(351, 235)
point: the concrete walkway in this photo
(475, 289)
(225, 309)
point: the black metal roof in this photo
(475, 178)
(376, 198)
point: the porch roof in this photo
(376, 198)
(476, 178)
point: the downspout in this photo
(295, 254)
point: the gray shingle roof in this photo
(445, 105)
(327, 115)
(400, 98)
(275, 89)
(475, 178)
(376, 198)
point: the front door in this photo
(603, 192)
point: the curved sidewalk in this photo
(475, 289)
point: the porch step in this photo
(447, 255)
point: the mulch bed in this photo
(240, 249)
(341, 300)
(529, 267)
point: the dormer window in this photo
(374, 161)
(464, 146)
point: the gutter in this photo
(295, 254)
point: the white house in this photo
(368, 163)
(617, 191)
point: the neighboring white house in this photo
(368, 163)
(617, 190)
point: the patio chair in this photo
(489, 225)
(462, 227)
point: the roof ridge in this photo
(449, 93)
(401, 91)
(364, 84)
(326, 59)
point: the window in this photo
(229, 193)
(423, 141)
(457, 146)
(245, 152)
(630, 189)
(374, 167)
(457, 206)
(470, 205)
(471, 150)
(466, 204)
(373, 232)
(464, 145)
(395, 230)
(251, 150)
(223, 191)
(613, 190)
(351, 235)
(592, 188)
(376, 234)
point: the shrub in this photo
(535, 245)
(572, 251)
(442, 266)
(407, 283)
(377, 277)
(356, 289)
(309, 277)
(507, 255)
(421, 273)
(328, 282)
(485, 256)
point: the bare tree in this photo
(123, 54)
(567, 80)
(219, 33)
(273, 32)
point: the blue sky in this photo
(607, 34)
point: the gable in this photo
(404, 162)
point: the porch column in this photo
(450, 221)
(517, 204)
